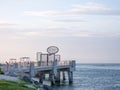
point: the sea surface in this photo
(93, 77)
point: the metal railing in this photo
(50, 63)
(26, 65)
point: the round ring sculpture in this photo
(52, 49)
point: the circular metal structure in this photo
(52, 49)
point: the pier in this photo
(48, 66)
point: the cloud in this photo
(48, 32)
(89, 7)
(6, 23)
(30, 33)
(41, 13)
(85, 9)
(107, 34)
(69, 20)
(66, 32)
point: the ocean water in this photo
(94, 77)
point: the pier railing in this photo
(19, 66)
(22, 65)
(50, 63)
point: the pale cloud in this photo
(41, 13)
(61, 32)
(47, 32)
(30, 33)
(55, 31)
(4, 23)
(107, 34)
(87, 8)
(68, 20)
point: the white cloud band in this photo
(87, 9)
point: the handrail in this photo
(25, 65)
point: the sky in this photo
(87, 31)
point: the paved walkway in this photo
(8, 78)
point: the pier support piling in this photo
(70, 76)
(41, 76)
(52, 78)
(58, 77)
(32, 71)
(63, 75)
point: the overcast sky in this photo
(85, 30)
